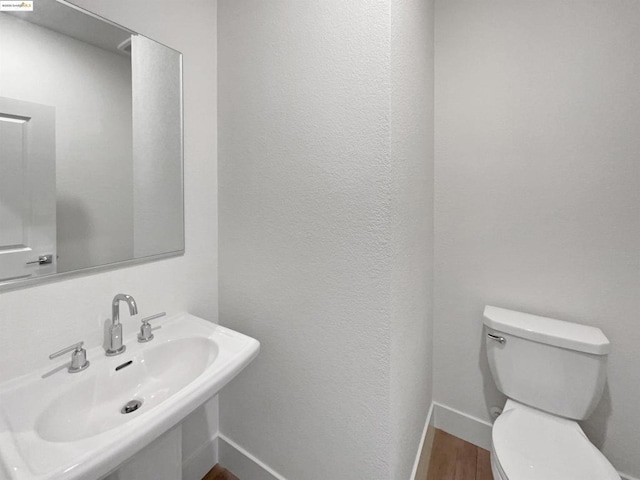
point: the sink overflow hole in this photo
(125, 364)
(131, 406)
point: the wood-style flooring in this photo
(219, 473)
(451, 459)
(454, 459)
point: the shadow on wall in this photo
(492, 396)
(596, 426)
(74, 229)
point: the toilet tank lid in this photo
(573, 336)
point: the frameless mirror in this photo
(90, 145)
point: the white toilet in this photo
(553, 373)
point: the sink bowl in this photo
(81, 426)
(93, 406)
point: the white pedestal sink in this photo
(71, 426)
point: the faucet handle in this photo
(78, 357)
(145, 334)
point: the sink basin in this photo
(81, 426)
(92, 406)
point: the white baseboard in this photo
(242, 464)
(246, 466)
(461, 425)
(422, 452)
(201, 461)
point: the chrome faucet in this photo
(114, 339)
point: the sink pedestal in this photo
(161, 460)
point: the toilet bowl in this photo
(528, 444)
(553, 373)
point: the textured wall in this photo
(304, 232)
(40, 320)
(411, 147)
(157, 107)
(326, 238)
(538, 189)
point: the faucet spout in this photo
(115, 307)
(114, 339)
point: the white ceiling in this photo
(73, 23)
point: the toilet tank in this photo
(556, 366)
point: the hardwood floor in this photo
(454, 459)
(219, 473)
(451, 459)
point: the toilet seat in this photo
(529, 444)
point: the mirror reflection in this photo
(90, 144)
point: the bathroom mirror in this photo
(90, 145)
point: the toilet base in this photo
(525, 432)
(498, 474)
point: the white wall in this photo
(326, 159)
(94, 216)
(304, 232)
(538, 190)
(157, 105)
(411, 152)
(39, 320)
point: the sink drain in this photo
(131, 406)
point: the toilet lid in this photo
(533, 445)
